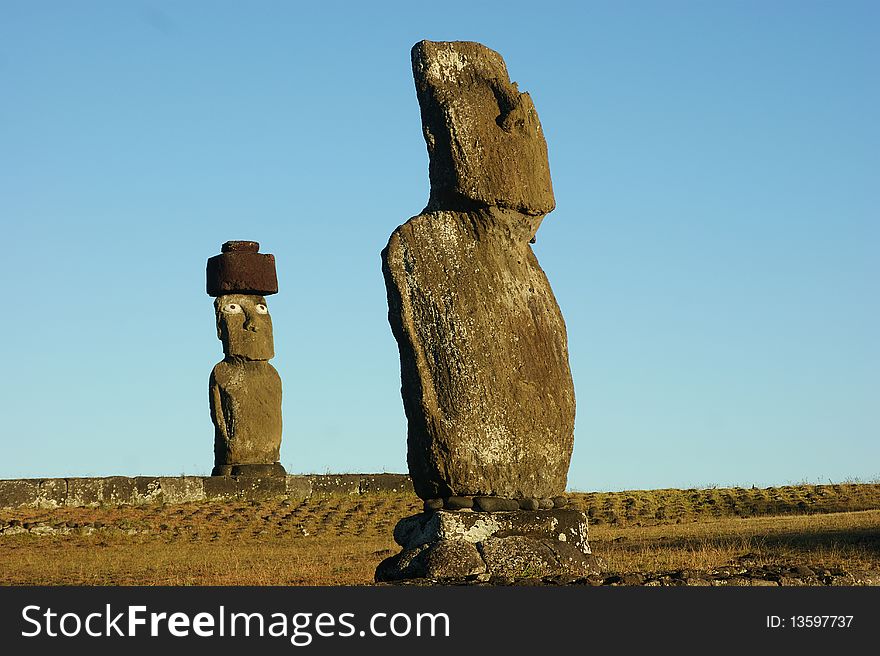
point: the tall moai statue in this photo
(244, 389)
(486, 384)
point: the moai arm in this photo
(217, 415)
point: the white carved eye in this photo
(232, 308)
(261, 309)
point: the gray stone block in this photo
(298, 487)
(19, 493)
(83, 492)
(563, 525)
(147, 489)
(52, 493)
(518, 556)
(119, 490)
(182, 489)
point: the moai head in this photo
(239, 278)
(244, 326)
(486, 147)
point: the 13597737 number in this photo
(821, 621)
(810, 622)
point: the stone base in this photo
(250, 471)
(511, 544)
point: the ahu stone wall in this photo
(122, 490)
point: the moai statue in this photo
(244, 390)
(486, 384)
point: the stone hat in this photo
(241, 269)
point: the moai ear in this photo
(218, 318)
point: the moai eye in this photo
(261, 309)
(232, 308)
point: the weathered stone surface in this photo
(441, 560)
(19, 493)
(458, 503)
(51, 493)
(115, 490)
(146, 489)
(85, 491)
(484, 139)
(486, 383)
(515, 545)
(298, 487)
(452, 557)
(73, 492)
(495, 504)
(250, 488)
(529, 504)
(519, 556)
(119, 490)
(241, 269)
(404, 565)
(433, 504)
(250, 470)
(564, 525)
(182, 489)
(245, 390)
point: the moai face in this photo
(244, 326)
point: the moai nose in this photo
(250, 324)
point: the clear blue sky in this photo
(714, 248)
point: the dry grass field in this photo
(339, 540)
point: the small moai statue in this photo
(485, 379)
(244, 389)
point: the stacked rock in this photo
(486, 384)
(244, 389)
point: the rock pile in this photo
(481, 545)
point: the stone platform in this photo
(138, 490)
(454, 545)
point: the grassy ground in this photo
(339, 540)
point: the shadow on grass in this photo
(860, 543)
